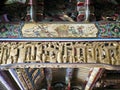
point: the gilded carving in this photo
(60, 52)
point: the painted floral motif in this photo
(108, 29)
(59, 30)
(104, 30)
(10, 30)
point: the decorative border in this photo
(11, 30)
(60, 30)
(108, 29)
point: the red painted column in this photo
(81, 11)
(94, 75)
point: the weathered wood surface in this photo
(60, 52)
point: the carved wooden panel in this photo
(30, 77)
(60, 52)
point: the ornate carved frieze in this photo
(60, 52)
